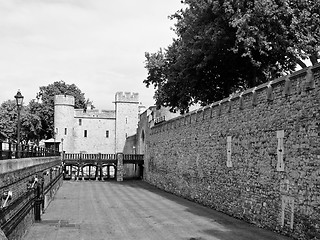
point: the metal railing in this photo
(159, 120)
(134, 157)
(9, 150)
(88, 156)
(101, 157)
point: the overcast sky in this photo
(98, 45)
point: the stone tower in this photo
(127, 116)
(64, 121)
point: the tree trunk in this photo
(314, 58)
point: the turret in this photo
(127, 113)
(64, 121)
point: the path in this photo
(92, 210)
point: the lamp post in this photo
(19, 100)
(62, 156)
(54, 142)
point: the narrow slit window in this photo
(85, 133)
(80, 122)
(107, 134)
(65, 131)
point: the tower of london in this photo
(93, 131)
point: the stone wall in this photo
(130, 171)
(97, 140)
(127, 112)
(130, 145)
(92, 131)
(15, 175)
(254, 156)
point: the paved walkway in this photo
(135, 210)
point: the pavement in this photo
(135, 210)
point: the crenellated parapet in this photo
(95, 113)
(129, 97)
(66, 100)
(254, 155)
(297, 83)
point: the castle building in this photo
(93, 131)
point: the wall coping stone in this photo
(294, 75)
(11, 165)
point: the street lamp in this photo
(19, 100)
(62, 149)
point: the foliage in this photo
(8, 116)
(45, 109)
(227, 46)
(37, 118)
(31, 123)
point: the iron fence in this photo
(9, 150)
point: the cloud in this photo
(98, 45)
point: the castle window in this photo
(126, 120)
(65, 131)
(107, 133)
(80, 122)
(85, 133)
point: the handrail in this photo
(88, 156)
(10, 150)
(99, 156)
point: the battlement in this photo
(295, 84)
(94, 113)
(64, 100)
(127, 97)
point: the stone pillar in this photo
(119, 167)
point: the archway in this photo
(109, 172)
(70, 172)
(89, 172)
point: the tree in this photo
(286, 29)
(45, 108)
(8, 118)
(30, 122)
(227, 46)
(37, 118)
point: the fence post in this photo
(37, 151)
(23, 151)
(10, 151)
(15, 150)
(28, 151)
(0, 150)
(32, 151)
(120, 167)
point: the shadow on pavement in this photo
(231, 228)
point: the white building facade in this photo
(94, 131)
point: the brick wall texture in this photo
(254, 156)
